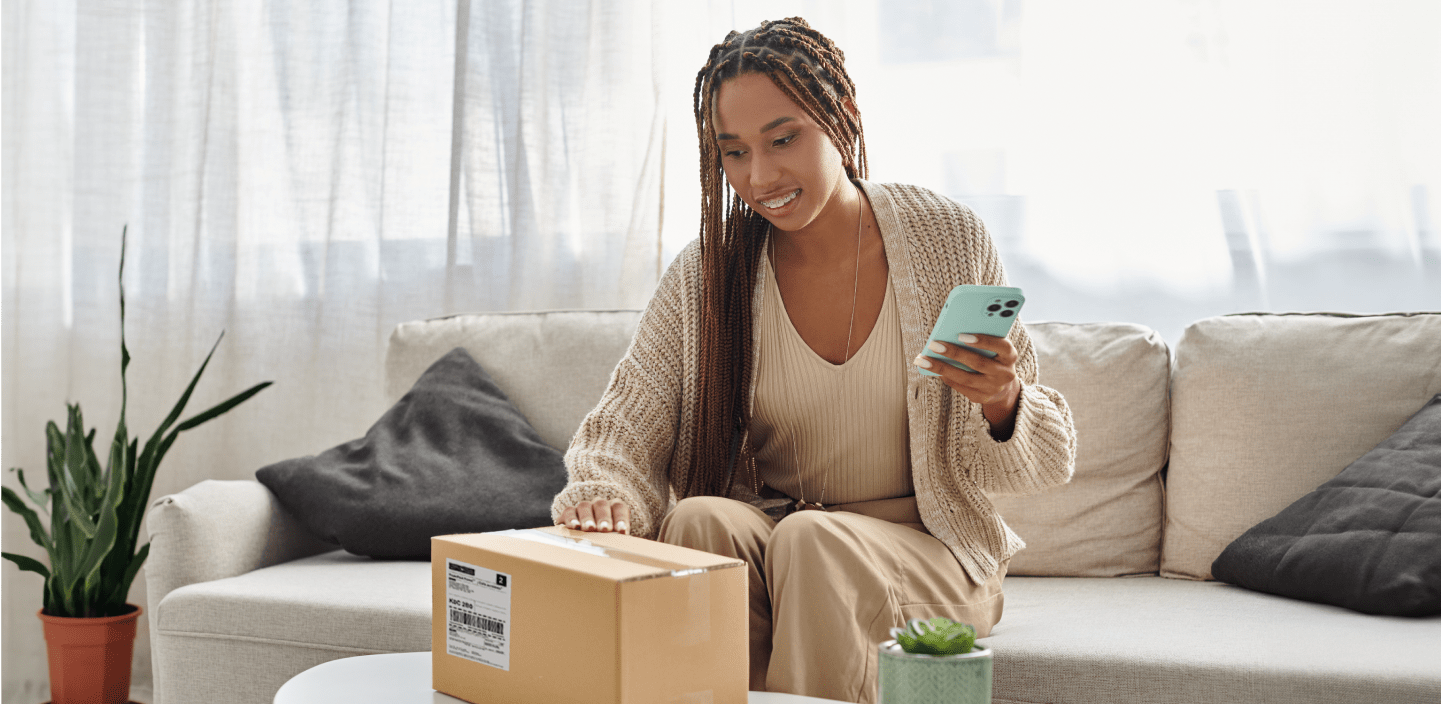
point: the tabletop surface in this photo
(404, 678)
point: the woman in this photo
(772, 388)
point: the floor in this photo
(39, 692)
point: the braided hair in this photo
(794, 56)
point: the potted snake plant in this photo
(932, 662)
(94, 516)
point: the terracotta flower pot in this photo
(90, 657)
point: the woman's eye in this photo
(785, 140)
(731, 154)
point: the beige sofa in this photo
(1109, 603)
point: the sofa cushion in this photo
(553, 365)
(239, 639)
(1154, 640)
(334, 601)
(1107, 520)
(1368, 540)
(451, 456)
(1265, 408)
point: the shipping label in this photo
(477, 623)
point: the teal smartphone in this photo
(974, 309)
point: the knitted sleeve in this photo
(623, 447)
(1041, 451)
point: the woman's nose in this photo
(763, 174)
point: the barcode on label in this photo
(478, 621)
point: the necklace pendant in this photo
(803, 506)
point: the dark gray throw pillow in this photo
(451, 456)
(1368, 540)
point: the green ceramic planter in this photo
(934, 679)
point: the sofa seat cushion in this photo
(333, 601)
(1158, 640)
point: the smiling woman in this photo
(770, 386)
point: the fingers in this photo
(598, 515)
(586, 514)
(621, 513)
(601, 509)
(993, 376)
(568, 518)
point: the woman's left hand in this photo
(993, 385)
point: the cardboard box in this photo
(558, 615)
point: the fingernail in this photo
(921, 361)
(937, 347)
(605, 525)
(574, 523)
(621, 527)
(963, 337)
(589, 524)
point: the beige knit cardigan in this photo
(636, 444)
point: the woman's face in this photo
(770, 149)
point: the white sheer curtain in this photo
(1155, 161)
(303, 176)
(306, 175)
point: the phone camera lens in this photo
(1007, 313)
(993, 307)
(1012, 304)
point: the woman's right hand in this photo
(598, 515)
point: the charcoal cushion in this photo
(453, 455)
(1368, 540)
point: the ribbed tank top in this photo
(831, 433)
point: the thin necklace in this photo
(801, 504)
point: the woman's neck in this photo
(831, 238)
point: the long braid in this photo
(791, 54)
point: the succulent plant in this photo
(938, 636)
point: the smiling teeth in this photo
(773, 204)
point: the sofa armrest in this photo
(219, 529)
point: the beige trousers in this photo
(827, 586)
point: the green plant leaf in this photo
(124, 353)
(41, 500)
(63, 568)
(73, 489)
(37, 529)
(104, 539)
(184, 397)
(96, 476)
(62, 536)
(77, 442)
(159, 443)
(132, 508)
(122, 588)
(222, 407)
(128, 514)
(27, 563)
(938, 636)
(75, 508)
(150, 459)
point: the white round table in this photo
(404, 678)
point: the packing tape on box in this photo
(550, 539)
(696, 629)
(586, 546)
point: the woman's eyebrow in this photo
(769, 126)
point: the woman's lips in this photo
(784, 207)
